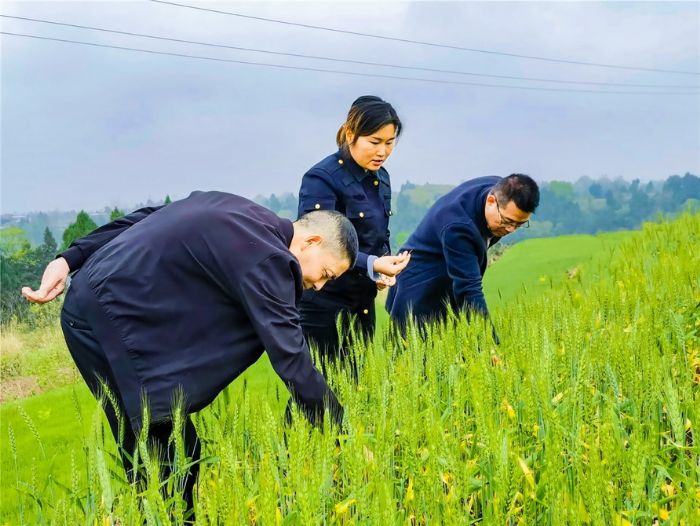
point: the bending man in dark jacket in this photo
(185, 297)
(449, 246)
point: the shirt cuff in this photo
(74, 258)
(374, 276)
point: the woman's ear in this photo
(349, 137)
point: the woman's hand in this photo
(53, 282)
(385, 281)
(392, 265)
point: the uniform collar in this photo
(480, 217)
(352, 167)
(287, 230)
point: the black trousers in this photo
(95, 370)
(319, 321)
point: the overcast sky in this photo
(85, 127)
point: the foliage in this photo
(21, 265)
(586, 413)
(587, 206)
(82, 226)
(284, 205)
(116, 213)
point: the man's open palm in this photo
(53, 282)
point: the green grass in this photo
(49, 433)
(535, 265)
(55, 418)
(579, 418)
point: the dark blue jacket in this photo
(339, 183)
(188, 296)
(448, 257)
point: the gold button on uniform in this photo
(340, 161)
(362, 214)
(376, 183)
(317, 206)
(365, 311)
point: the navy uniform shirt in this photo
(364, 197)
(448, 257)
(188, 296)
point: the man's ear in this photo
(490, 199)
(312, 240)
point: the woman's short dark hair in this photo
(367, 115)
(519, 188)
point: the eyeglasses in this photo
(505, 221)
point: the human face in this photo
(504, 220)
(370, 151)
(318, 264)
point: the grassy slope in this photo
(56, 420)
(530, 266)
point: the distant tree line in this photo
(586, 206)
(21, 264)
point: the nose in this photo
(319, 284)
(381, 150)
(511, 228)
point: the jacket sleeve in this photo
(81, 249)
(267, 292)
(387, 241)
(460, 250)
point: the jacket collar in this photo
(357, 171)
(351, 166)
(286, 228)
(480, 218)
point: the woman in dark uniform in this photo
(353, 182)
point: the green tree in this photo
(16, 270)
(82, 226)
(12, 240)
(273, 203)
(116, 214)
(596, 190)
(167, 200)
(47, 250)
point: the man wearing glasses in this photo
(449, 246)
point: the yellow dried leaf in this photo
(409, 491)
(507, 409)
(527, 472)
(342, 507)
(668, 490)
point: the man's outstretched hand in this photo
(53, 282)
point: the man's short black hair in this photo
(337, 229)
(519, 188)
(348, 239)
